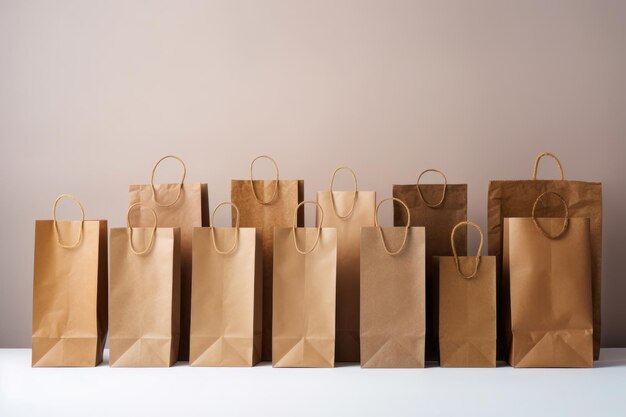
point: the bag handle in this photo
(229, 203)
(130, 229)
(319, 228)
(275, 194)
(56, 227)
(406, 230)
(180, 186)
(456, 257)
(445, 187)
(356, 192)
(558, 164)
(565, 222)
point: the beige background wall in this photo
(92, 93)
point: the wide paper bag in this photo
(226, 297)
(515, 199)
(467, 308)
(69, 291)
(144, 305)
(392, 296)
(548, 272)
(305, 270)
(266, 204)
(437, 208)
(177, 205)
(347, 211)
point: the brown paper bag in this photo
(305, 271)
(515, 199)
(144, 305)
(266, 205)
(548, 273)
(347, 211)
(177, 205)
(438, 209)
(69, 291)
(392, 295)
(226, 297)
(467, 308)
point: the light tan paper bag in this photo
(467, 308)
(515, 199)
(437, 208)
(144, 305)
(548, 273)
(305, 271)
(226, 297)
(69, 291)
(265, 205)
(177, 205)
(347, 211)
(392, 295)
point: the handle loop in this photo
(356, 193)
(130, 229)
(445, 187)
(275, 194)
(319, 227)
(456, 257)
(180, 186)
(565, 221)
(229, 203)
(406, 230)
(558, 164)
(56, 227)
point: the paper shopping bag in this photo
(548, 275)
(305, 270)
(144, 308)
(347, 211)
(467, 307)
(515, 199)
(266, 204)
(226, 297)
(69, 291)
(437, 208)
(392, 295)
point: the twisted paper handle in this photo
(256, 197)
(445, 187)
(406, 230)
(130, 229)
(56, 227)
(356, 193)
(236, 228)
(180, 186)
(454, 253)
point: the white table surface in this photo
(343, 391)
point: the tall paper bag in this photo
(69, 291)
(347, 211)
(392, 296)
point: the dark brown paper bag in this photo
(548, 272)
(347, 211)
(437, 208)
(144, 307)
(69, 291)
(226, 297)
(515, 199)
(266, 205)
(467, 308)
(392, 296)
(305, 270)
(177, 205)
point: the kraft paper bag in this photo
(392, 295)
(467, 308)
(438, 208)
(548, 274)
(177, 205)
(266, 204)
(144, 309)
(69, 291)
(515, 199)
(347, 211)
(227, 295)
(305, 272)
